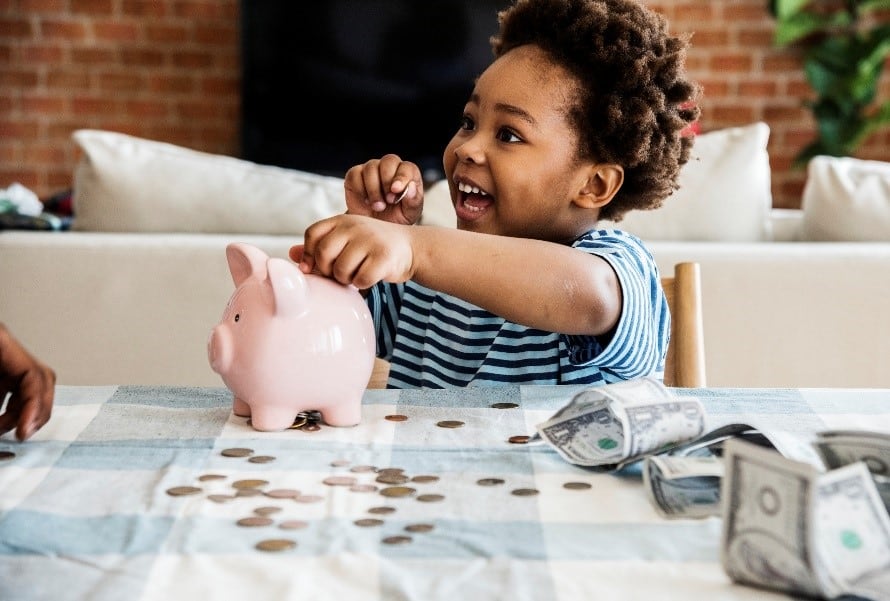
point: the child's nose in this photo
(471, 151)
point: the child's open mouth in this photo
(472, 202)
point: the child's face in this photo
(512, 166)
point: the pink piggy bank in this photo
(290, 342)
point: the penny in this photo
(282, 493)
(276, 544)
(524, 492)
(255, 521)
(489, 481)
(430, 498)
(181, 491)
(310, 427)
(382, 510)
(236, 452)
(419, 527)
(248, 492)
(368, 522)
(261, 459)
(385, 471)
(576, 485)
(293, 525)
(268, 510)
(397, 540)
(425, 479)
(309, 499)
(450, 423)
(362, 469)
(339, 481)
(298, 423)
(396, 418)
(392, 478)
(504, 405)
(221, 498)
(209, 477)
(398, 491)
(518, 439)
(363, 488)
(242, 484)
(340, 463)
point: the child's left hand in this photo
(357, 250)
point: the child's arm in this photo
(539, 284)
(388, 188)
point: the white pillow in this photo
(846, 199)
(724, 192)
(128, 184)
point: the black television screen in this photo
(331, 84)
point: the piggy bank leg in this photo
(240, 408)
(272, 419)
(344, 413)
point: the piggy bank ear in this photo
(290, 289)
(245, 261)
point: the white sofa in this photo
(131, 298)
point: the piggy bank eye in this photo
(237, 317)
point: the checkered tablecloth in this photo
(85, 514)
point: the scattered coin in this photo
(6, 455)
(397, 540)
(309, 499)
(221, 498)
(425, 479)
(282, 493)
(576, 485)
(254, 521)
(236, 452)
(209, 477)
(396, 418)
(242, 484)
(368, 522)
(430, 498)
(489, 481)
(362, 469)
(392, 478)
(261, 459)
(276, 544)
(339, 481)
(248, 492)
(363, 488)
(293, 525)
(382, 510)
(524, 492)
(419, 527)
(268, 510)
(385, 471)
(310, 427)
(504, 406)
(340, 463)
(298, 423)
(397, 491)
(518, 439)
(181, 491)
(450, 423)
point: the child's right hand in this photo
(387, 188)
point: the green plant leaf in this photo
(867, 5)
(786, 8)
(798, 26)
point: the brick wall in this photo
(169, 70)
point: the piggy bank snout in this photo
(220, 349)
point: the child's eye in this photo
(466, 123)
(507, 135)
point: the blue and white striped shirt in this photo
(434, 340)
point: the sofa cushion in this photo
(724, 192)
(128, 184)
(846, 199)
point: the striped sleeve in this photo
(384, 301)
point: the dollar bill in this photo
(683, 486)
(789, 527)
(843, 447)
(613, 425)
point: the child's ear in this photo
(603, 182)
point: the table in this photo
(85, 513)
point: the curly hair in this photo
(634, 100)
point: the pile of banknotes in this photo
(804, 513)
